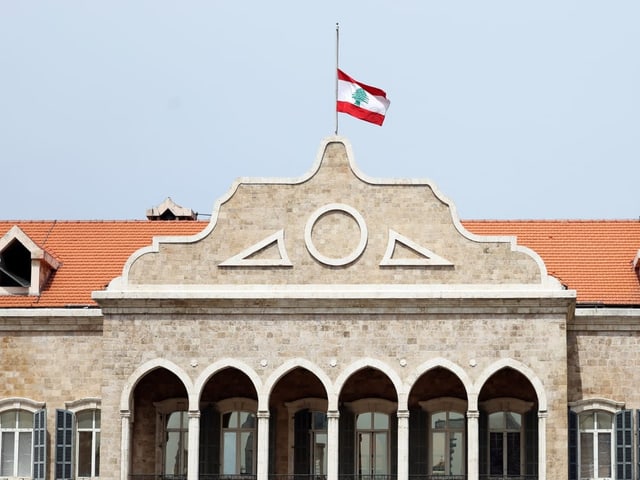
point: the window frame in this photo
(164, 409)
(78, 407)
(245, 405)
(26, 405)
(445, 405)
(373, 405)
(593, 405)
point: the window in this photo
(77, 440)
(15, 265)
(372, 436)
(600, 440)
(24, 266)
(505, 443)
(175, 447)
(447, 443)
(88, 443)
(16, 430)
(318, 437)
(238, 443)
(596, 444)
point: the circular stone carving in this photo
(351, 212)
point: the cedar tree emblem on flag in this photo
(360, 100)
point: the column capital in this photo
(194, 413)
(333, 414)
(473, 414)
(262, 414)
(403, 413)
(543, 414)
(125, 413)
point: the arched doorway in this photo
(368, 430)
(508, 427)
(298, 426)
(437, 426)
(160, 430)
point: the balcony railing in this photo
(437, 476)
(296, 476)
(357, 476)
(508, 477)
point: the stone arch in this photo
(210, 370)
(440, 362)
(391, 374)
(282, 370)
(521, 368)
(144, 369)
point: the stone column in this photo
(542, 445)
(473, 445)
(125, 443)
(403, 445)
(263, 446)
(332, 444)
(193, 453)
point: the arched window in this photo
(238, 443)
(88, 443)
(372, 436)
(22, 438)
(173, 433)
(505, 444)
(176, 429)
(447, 443)
(596, 444)
(16, 429)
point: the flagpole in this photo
(337, 66)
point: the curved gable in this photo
(334, 226)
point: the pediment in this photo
(334, 225)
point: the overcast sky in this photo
(514, 109)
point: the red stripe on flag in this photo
(372, 90)
(359, 112)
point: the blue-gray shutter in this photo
(273, 421)
(64, 445)
(624, 445)
(531, 443)
(393, 444)
(483, 443)
(209, 435)
(573, 445)
(302, 443)
(418, 442)
(346, 443)
(40, 445)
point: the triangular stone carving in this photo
(256, 254)
(416, 255)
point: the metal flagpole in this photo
(337, 66)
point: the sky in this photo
(514, 109)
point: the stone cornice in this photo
(74, 320)
(598, 319)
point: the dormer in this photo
(170, 210)
(24, 266)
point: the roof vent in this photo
(636, 264)
(24, 266)
(170, 210)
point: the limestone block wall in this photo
(51, 360)
(399, 338)
(603, 357)
(255, 210)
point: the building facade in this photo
(332, 326)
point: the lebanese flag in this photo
(360, 100)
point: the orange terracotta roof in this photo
(91, 254)
(593, 257)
